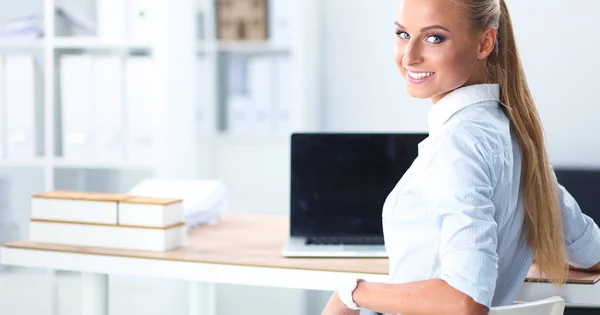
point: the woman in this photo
(463, 224)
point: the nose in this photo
(412, 54)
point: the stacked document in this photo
(203, 200)
(107, 220)
(31, 25)
(25, 26)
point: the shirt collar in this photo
(458, 99)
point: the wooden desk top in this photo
(253, 240)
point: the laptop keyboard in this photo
(345, 240)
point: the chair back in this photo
(551, 306)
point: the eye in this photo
(402, 35)
(434, 39)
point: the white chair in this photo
(550, 306)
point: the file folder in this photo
(260, 88)
(283, 98)
(2, 112)
(107, 105)
(24, 116)
(76, 107)
(140, 107)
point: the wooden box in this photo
(107, 220)
(78, 207)
(239, 20)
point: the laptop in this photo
(339, 183)
(582, 184)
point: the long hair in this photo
(543, 219)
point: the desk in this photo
(239, 249)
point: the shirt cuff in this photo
(471, 272)
(585, 251)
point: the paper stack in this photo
(203, 200)
(107, 220)
(31, 25)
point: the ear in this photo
(487, 42)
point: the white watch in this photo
(345, 291)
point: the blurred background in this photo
(100, 94)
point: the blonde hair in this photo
(543, 219)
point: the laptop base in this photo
(297, 247)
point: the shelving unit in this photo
(93, 43)
(191, 110)
(21, 44)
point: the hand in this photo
(335, 306)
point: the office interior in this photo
(212, 101)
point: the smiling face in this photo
(436, 49)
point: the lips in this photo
(419, 75)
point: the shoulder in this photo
(483, 131)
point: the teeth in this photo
(419, 75)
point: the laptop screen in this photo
(339, 181)
(583, 185)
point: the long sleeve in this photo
(460, 202)
(581, 233)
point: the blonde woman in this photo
(463, 224)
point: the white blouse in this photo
(457, 213)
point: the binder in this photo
(280, 22)
(24, 116)
(107, 105)
(2, 112)
(140, 107)
(283, 98)
(239, 110)
(76, 107)
(239, 103)
(206, 113)
(260, 88)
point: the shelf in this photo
(66, 164)
(96, 43)
(24, 43)
(38, 162)
(260, 47)
(247, 139)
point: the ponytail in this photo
(543, 219)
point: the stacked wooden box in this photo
(107, 220)
(239, 20)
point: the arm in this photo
(458, 188)
(594, 268)
(433, 297)
(581, 233)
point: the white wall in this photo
(560, 59)
(364, 91)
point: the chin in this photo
(418, 92)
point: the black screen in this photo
(339, 181)
(583, 185)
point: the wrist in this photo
(356, 294)
(346, 293)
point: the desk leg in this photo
(202, 298)
(94, 294)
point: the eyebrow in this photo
(425, 28)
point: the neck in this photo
(479, 76)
